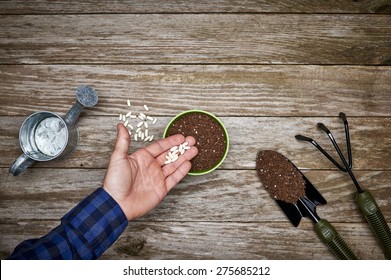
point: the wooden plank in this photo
(196, 38)
(200, 6)
(206, 240)
(234, 90)
(225, 195)
(369, 137)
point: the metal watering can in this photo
(45, 136)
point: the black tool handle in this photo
(375, 218)
(329, 235)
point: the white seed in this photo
(174, 158)
(167, 161)
(128, 114)
(149, 118)
(146, 107)
(154, 121)
(182, 151)
(126, 123)
(138, 130)
(135, 137)
(130, 126)
(130, 133)
(175, 153)
(151, 138)
(173, 148)
(128, 102)
(168, 157)
(120, 117)
(123, 118)
(140, 124)
(146, 132)
(186, 148)
(133, 116)
(142, 135)
(141, 117)
(146, 139)
(185, 144)
(146, 124)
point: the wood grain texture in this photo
(213, 198)
(268, 69)
(192, 6)
(370, 141)
(234, 90)
(196, 38)
(212, 240)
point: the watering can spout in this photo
(86, 97)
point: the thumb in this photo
(123, 140)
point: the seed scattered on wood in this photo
(142, 133)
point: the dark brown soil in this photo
(209, 135)
(280, 177)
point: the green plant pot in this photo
(177, 117)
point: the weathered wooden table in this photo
(268, 70)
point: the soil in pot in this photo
(209, 135)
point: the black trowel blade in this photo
(292, 211)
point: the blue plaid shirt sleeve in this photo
(84, 233)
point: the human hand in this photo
(139, 182)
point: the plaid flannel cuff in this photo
(95, 223)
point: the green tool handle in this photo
(375, 218)
(328, 234)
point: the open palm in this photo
(140, 181)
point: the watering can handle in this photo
(20, 164)
(329, 235)
(375, 218)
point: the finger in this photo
(165, 144)
(170, 168)
(123, 141)
(162, 157)
(178, 175)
